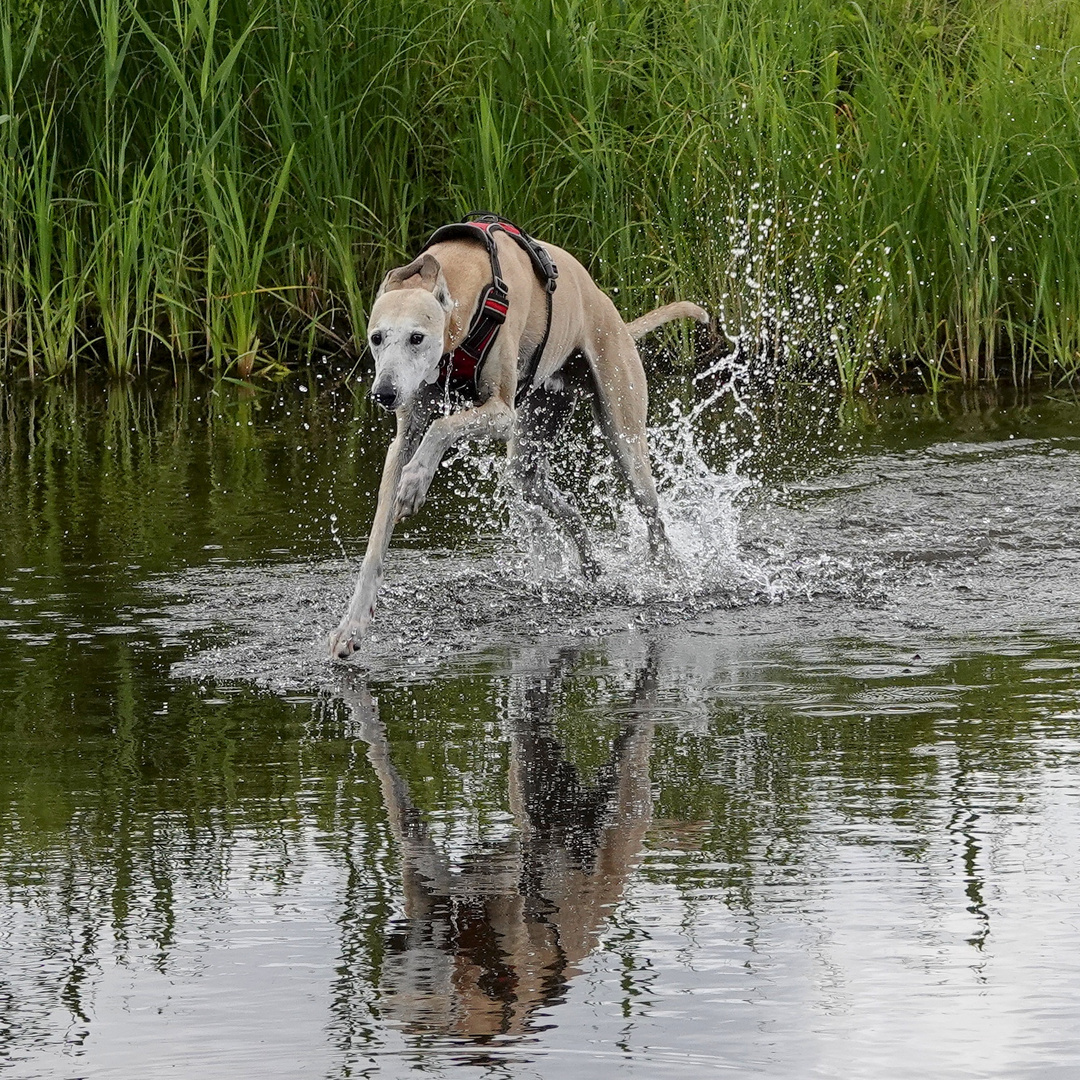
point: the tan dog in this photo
(423, 312)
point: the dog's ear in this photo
(428, 269)
(442, 293)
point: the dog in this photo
(521, 328)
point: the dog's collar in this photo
(460, 368)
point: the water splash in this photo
(790, 299)
(517, 573)
(336, 537)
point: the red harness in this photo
(460, 370)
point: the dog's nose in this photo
(384, 395)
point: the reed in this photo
(855, 191)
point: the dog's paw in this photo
(412, 491)
(344, 641)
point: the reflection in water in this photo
(965, 829)
(859, 855)
(481, 948)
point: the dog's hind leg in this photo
(620, 406)
(541, 419)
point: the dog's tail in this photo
(683, 309)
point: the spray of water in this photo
(518, 574)
(773, 315)
(336, 537)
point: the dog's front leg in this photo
(492, 420)
(356, 620)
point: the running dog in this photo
(520, 331)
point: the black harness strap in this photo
(460, 370)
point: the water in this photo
(806, 806)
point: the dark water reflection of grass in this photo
(134, 803)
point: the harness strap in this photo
(463, 365)
(545, 268)
(467, 359)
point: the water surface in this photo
(807, 805)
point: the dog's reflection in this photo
(486, 945)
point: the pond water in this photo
(805, 805)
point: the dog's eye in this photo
(376, 338)
(416, 339)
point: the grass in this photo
(856, 191)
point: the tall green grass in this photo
(853, 189)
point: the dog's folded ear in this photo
(428, 269)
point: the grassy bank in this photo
(852, 189)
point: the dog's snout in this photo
(384, 394)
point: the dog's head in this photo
(406, 330)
